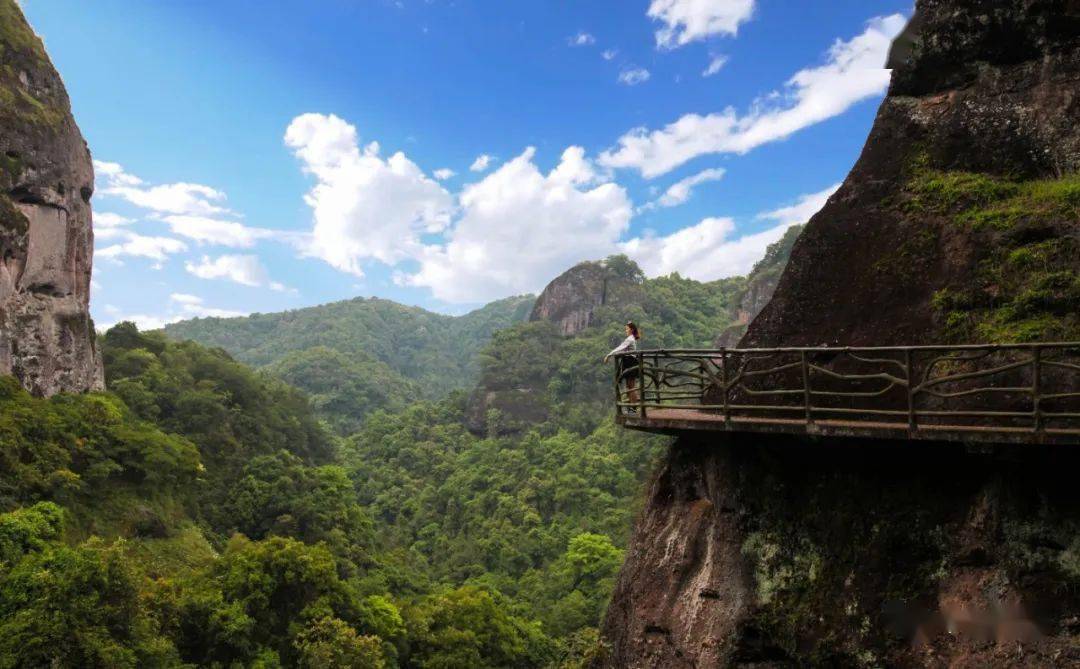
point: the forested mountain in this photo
(224, 525)
(362, 354)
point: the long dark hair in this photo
(633, 329)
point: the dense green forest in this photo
(363, 354)
(205, 513)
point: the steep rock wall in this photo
(46, 239)
(761, 283)
(974, 155)
(959, 222)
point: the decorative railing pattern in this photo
(1021, 389)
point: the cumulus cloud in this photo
(206, 230)
(609, 54)
(581, 39)
(519, 227)
(136, 245)
(634, 76)
(716, 63)
(245, 270)
(680, 191)
(113, 174)
(852, 73)
(107, 219)
(800, 212)
(180, 307)
(482, 162)
(174, 198)
(686, 21)
(707, 251)
(365, 206)
(444, 173)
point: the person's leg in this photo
(631, 385)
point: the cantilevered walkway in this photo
(1024, 393)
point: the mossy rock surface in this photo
(1024, 283)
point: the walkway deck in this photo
(1018, 394)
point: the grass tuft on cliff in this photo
(1025, 253)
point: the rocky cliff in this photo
(567, 306)
(571, 299)
(46, 240)
(761, 283)
(959, 222)
(960, 219)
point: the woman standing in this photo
(628, 364)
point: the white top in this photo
(628, 344)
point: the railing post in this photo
(806, 386)
(723, 384)
(1036, 386)
(911, 418)
(618, 393)
(641, 384)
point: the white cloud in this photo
(175, 198)
(634, 76)
(365, 207)
(107, 219)
(853, 73)
(520, 227)
(444, 173)
(609, 54)
(688, 20)
(114, 174)
(482, 162)
(581, 39)
(180, 307)
(707, 252)
(716, 63)
(183, 298)
(680, 191)
(800, 212)
(243, 269)
(206, 230)
(191, 306)
(136, 245)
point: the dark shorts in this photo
(628, 368)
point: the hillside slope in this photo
(959, 222)
(382, 354)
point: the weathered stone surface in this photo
(768, 552)
(570, 299)
(993, 88)
(46, 238)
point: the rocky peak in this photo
(972, 165)
(571, 299)
(46, 239)
(959, 222)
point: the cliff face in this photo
(46, 240)
(566, 306)
(760, 285)
(959, 222)
(571, 298)
(969, 173)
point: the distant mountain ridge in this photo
(380, 354)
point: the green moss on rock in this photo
(24, 57)
(1023, 234)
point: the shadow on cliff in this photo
(776, 551)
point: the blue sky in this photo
(266, 156)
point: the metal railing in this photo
(1025, 392)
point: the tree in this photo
(469, 627)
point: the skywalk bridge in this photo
(1021, 394)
